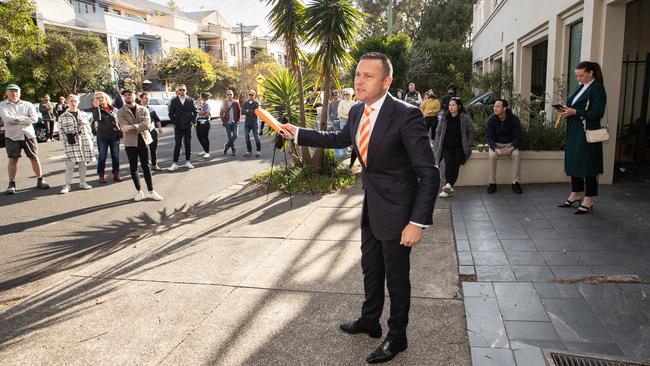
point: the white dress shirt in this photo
(376, 106)
(584, 87)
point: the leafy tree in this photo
(189, 66)
(70, 63)
(407, 15)
(132, 72)
(452, 64)
(227, 78)
(446, 21)
(398, 49)
(18, 33)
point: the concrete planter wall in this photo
(536, 167)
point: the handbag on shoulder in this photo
(598, 135)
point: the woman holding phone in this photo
(583, 161)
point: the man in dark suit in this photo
(182, 113)
(400, 181)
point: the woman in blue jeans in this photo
(107, 130)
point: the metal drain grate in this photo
(567, 359)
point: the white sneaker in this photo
(189, 165)
(448, 189)
(138, 196)
(206, 155)
(443, 194)
(155, 196)
(173, 167)
(257, 154)
(84, 185)
(247, 154)
(200, 153)
(66, 189)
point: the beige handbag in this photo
(599, 135)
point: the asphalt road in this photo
(43, 233)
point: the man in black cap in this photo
(18, 117)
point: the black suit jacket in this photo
(401, 180)
(182, 115)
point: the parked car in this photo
(483, 103)
(160, 106)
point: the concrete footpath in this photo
(238, 279)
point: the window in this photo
(575, 48)
(233, 50)
(104, 7)
(117, 12)
(538, 69)
(83, 7)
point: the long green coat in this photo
(583, 159)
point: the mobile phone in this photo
(559, 107)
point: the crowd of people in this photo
(130, 119)
(126, 119)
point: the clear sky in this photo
(249, 12)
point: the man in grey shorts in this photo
(18, 117)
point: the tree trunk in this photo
(319, 155)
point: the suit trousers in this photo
(182, 135)
(385, 261)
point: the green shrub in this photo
(307, 179)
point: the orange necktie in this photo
(364, 135)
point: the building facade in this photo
(541, 41)
(147, 29)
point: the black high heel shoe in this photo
(583, 210)
(568, 203)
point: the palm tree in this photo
(282, 93)
(332, 26)
(287, 18)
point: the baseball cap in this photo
(12, 87)
(125, 91)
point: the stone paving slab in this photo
(520, 246)
(260, 327)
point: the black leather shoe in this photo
(355, 327)
(492, 188)
(516, 188)
(387, 350)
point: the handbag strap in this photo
(584, 122)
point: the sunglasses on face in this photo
(250, 95)
(181, 89)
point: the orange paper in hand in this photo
(270, 120)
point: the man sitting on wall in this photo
(504, 137)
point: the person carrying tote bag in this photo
(583, 160)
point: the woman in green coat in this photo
(583, 161)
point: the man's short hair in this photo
(385, 61)
(144, 93)
(412, 84)
(179, 86)
(503, 101)
(452, 87)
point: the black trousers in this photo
(182, 135)
(153, 147)
(133, 153)
(385, 262)
(431, 124)
(453, 160)
(578, 184)
(49, 124)
(202, 134)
